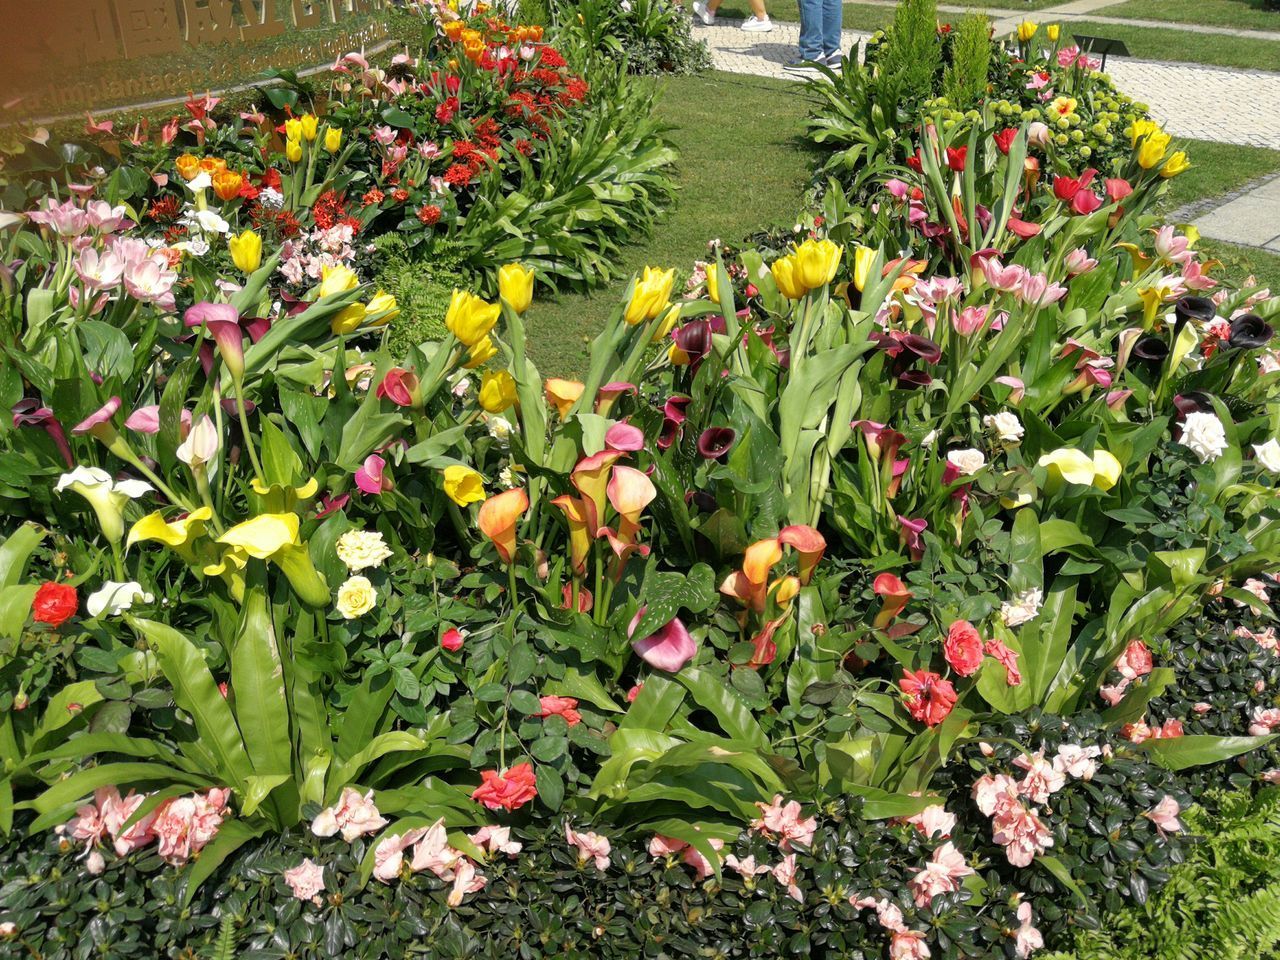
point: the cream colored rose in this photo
(1268, 454)
(361, 549)
(356, 597)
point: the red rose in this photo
(927, 697)
(54, 604)
(963, 648)
(509, 790)
(452, 639)
(566, 707)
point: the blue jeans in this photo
(820, 22)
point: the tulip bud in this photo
(246, 251)
(293, 151)
(310, 125)
(333, 139)
(515, 286)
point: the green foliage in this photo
(651, 36)
(1224, 902)
(422, 288)
(964, 81)
(912, 55)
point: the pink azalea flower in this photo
(933, 821)
(746, 868)
(388, 855)
(908, 945)
(1135, 662)
(306, 880)
(495, 840)
(1165, 815)
(785, 873)
(782, 820)
(1077, 761)
(941, 874)
(1026, 938)
(354, 815)
(1043, 778)
(591, 846)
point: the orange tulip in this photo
(579, 538)
(188, 166)
(591, 478)
(563, 394)
(497, 520)
(226, 184)
(212, 165)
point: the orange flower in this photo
(453, 29)
(226, 184)
(591, 478)
(750, 585)
(563, 394)
(579, 538)
(188, 166)
(212, 165)
(809, 543)
(497, 520)
(630, 491)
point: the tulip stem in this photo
(248, 437)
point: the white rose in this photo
(1268, 454)
(361, 549)
(1005, 425)
(966, 462)
(1025, 606)
(113, 598)
(1204, 435)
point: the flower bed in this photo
(852, 603)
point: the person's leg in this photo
(832, 20)
(713, 5)
(757, 9)
(811, 29)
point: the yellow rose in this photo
(784, 278)
(863, 257)
(333, 139)
(385, 304)
(463, 485)
(293, 151)
(1175, 165)
(481, 352)
(469, 318)
(246, 251)
(651, 296)
(337, 279)
(515, 285)
(356, 597)
(1026, 30)
(310, 124)
(497, 391)
(817, 262)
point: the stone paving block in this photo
(1248, 220)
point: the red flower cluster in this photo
(509, 790)
(54, 604)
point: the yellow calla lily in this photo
(274, 537)
(177, 534)
(1106, 470)
(1070, 464)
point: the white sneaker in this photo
(700, 10)
(754, 24)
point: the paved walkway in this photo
(1251, 218)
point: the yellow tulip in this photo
(713, 283)
(1026, 30)
(1106, 470)
(310, 125)
(515, 285)
(863, 257)
(469, 318)
(1053, 31)
(1140, 129)
(1175, 165)
(784, 278)
(1152, 150)
(651, 296)
(481, 352)
(293, 151)
(348, 319)
(385, 304)
(333, 139)
(463, 485)
(664, 328)
(817, 262)
(497, 391)
(246, 251)
(337, 279)
(293, 129)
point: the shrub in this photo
(965, 79)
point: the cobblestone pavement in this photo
(1193, 101)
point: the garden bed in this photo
(896, 584)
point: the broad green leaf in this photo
(231, 836)
(666, 594)
(1194, 750)
(732, 712)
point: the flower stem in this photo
(248, 437)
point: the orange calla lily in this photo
(497, 520)
(591, 479)
(809, 543)
(563, 394)
(630, 491)
(748, 585)
(579, 537)
(894, 596)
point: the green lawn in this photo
(1218, 168)
(1187, 46)
(1244, 14)
(743, 167)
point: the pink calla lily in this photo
(670, 648)
(372, 477)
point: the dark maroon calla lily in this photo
(715, 442)
(1195, 308)
(673, 418)
(1249, 332)
(29, 413)
(1151, 350)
